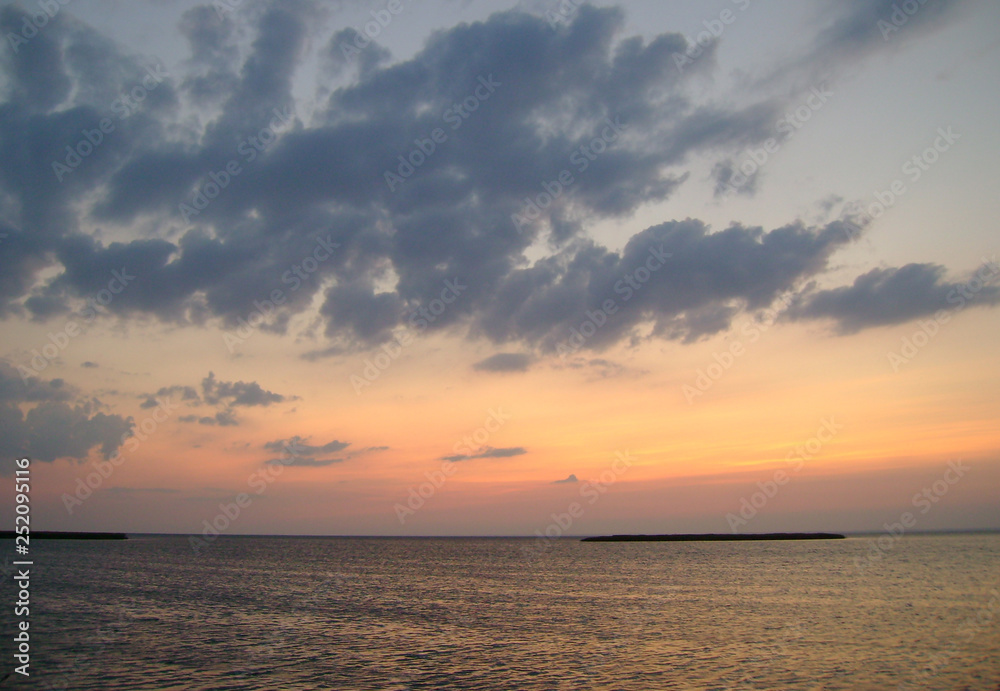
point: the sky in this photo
(500, 268)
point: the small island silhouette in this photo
(714, 537)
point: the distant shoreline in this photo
(59, 535)
(71, 535)
(714, 537)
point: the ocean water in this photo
(352, 613)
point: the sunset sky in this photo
(450, 267)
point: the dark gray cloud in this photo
(296, 451)
(596, 368)
(36, 68)
(852, 30)
(225, 396)
(504, 362)
(896, 295)
(236, 393)
(214, 52)
(488, 452)
(304, 461)
(610, 109)
(16, 388)
(184, 393)
(60, 424)
(569, 480)
(685, 280)
(298, 446)
(863, 26)
(725, 172)
(223, 418)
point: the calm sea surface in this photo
(300, 613)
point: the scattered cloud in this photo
(304, 462)
(504, 362)
(61, 423)
(185, 393)
(236, 393)
(488, 452)
(296, 451)
(298, 446)
(892, 296)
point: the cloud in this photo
(854, 30)
(223, 418)
(186, 393)
(295, 451)
(487, 452)
(224, 395)
(550, 94)
(723, 175)
(598, 368)
(17, 389)
(895, 295)
(504, 362)
(237, 393)
(304, 462)
(88, 364)
(53, 428)
(695, 282)
(571, 479)
(861, 27)
(297, 446)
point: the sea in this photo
(911, 612)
